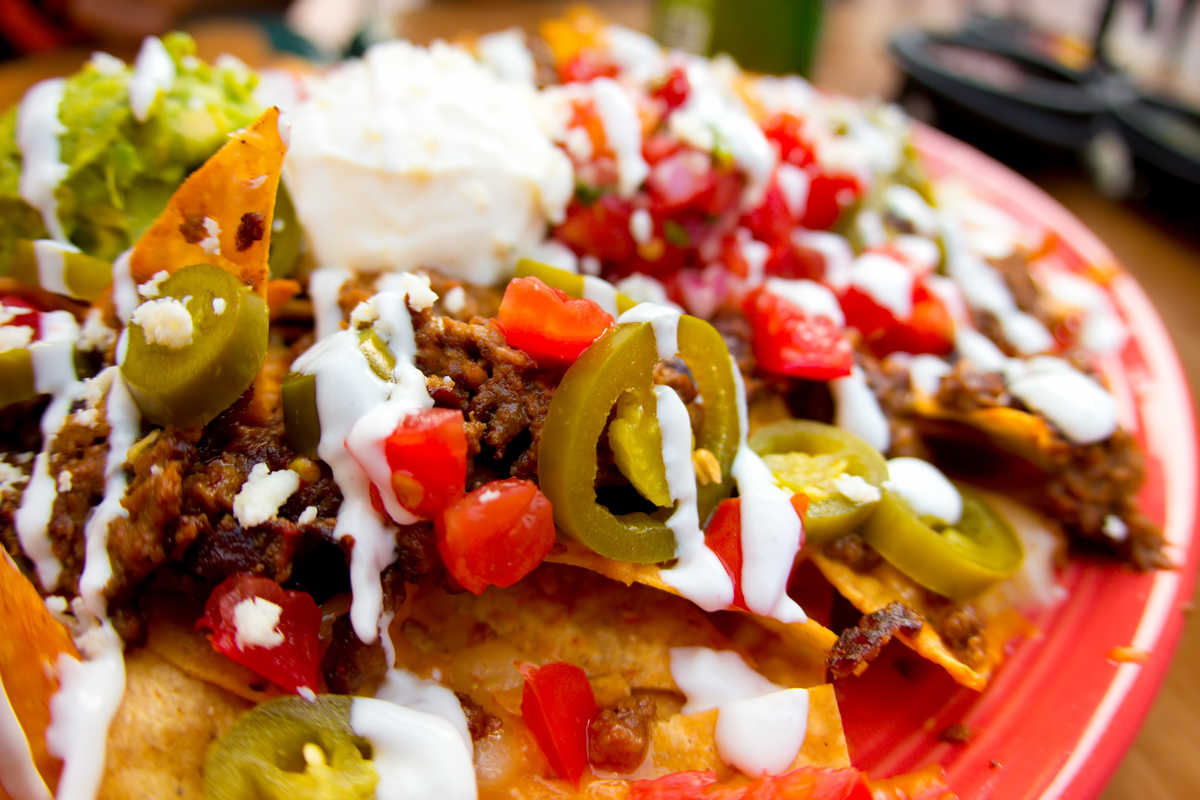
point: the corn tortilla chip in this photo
(222, 213)
(29, 649)
(809, 632)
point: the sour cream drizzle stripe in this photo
(20, 777)
(417, 754)
(42, 170)
(52, 264)
(153, 72)
(54, 374)
(601, 292)
(124, 423)
(323, 287)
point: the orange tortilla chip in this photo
(231, 198)
(809, 632)
(1010, 429)
(872, 590)
(29, 650)
(686, 741)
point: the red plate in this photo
(1058, 715)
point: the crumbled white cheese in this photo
(64, 481)
(262, 494)
(256, 621)
(1115, 528)
(10, 476)
(152, 287)
(212, 242)
(855, 489)
(218, 305)
(14, 337)
(413, 285)
(488, 495)
(364, 314)
(455, 300)
(95, 336)
(308, 515)
(165, 322)
(86, 418)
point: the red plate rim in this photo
(1079, 737)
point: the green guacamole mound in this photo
(121, 172)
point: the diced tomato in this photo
(291, 664)
(495, 535)
(786, 132)
(897, 254)
(788, 260)
(802, 783)
(547, 323)
(771, 220)
(724, 537)
(586, 66)
(673, 89)
(789, 341)
(683, 180)
(427, 453)
(659, 146)
(23, 314)
(599, 228)
(928, 329)
(558, 705)
(828, 195)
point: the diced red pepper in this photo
(427, 454)
(24, 314)
(495, 535)
(558, 705)
(724, 537)
(789, 341)
(673, 89)
(828, 195)
(929, 328)
(547, 323)
(802, 783)
(786, 132)
(292, 664)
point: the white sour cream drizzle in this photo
(858, 410)
(416, 753)
(52, 264)
(925, 488)
(622, 131)
(1075, 403)
(20, 777)
(925, 373)
(357, 410)
(153, 72)
(54, 374)
(835, 251)
(810, 297)
(323, 287)
(601, 292)
(760, 726)
(124, 422)
(38, 129)
(83, 707)
(888, 282)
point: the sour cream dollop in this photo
(423, 157)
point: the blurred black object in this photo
(995, 83)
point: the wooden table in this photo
(1165, 259)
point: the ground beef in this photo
(852, 550)
(960, 629)
(349, 666)
(859, 645)
(78, 455)
(889, 381)
(480, 723)
(619, 736)
(1090, 483)
(1014, 269)
(965, 389)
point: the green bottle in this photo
(778, 36)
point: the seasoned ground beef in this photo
(852, 550)
(619, 736)
(960, 628)
(889, 381)
(349, 666)
(965, 389)
(859, 645)
(480, 724)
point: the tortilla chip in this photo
(29, 650)
(875, 589)
(685, 741)
(1010, 429)
(235, 189)
(162, 730)
(279, 293)
(809, 633)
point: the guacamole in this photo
(120, 171)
